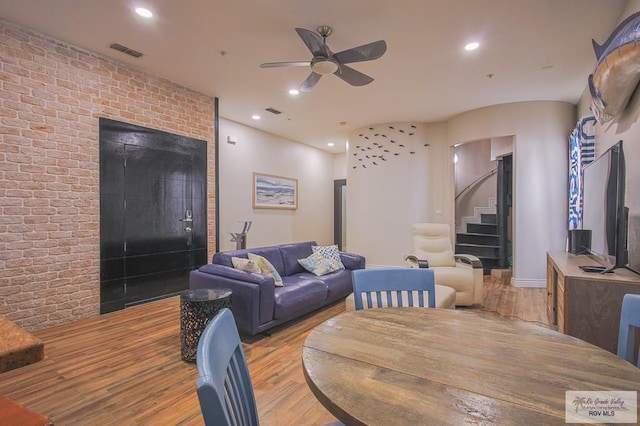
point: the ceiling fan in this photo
(324, 61)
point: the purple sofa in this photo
(257, 303)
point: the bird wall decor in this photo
(389, 141)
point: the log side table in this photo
(197, 308)
(14, 414)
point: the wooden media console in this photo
(587, 305)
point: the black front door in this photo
(153, 213)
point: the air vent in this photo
(125, 49)
(273, 111)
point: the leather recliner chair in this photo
(462, 272)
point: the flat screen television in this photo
(603, 208)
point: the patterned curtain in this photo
(582, 151)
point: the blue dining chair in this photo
(224, 387)
(393, 287)
(629, 321)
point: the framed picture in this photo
(274, 192)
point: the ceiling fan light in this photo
(144, 12)
(324, 66)
(471, 46)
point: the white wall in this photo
(257, 151)
(625, 127)
(501, 146)
(339, 166)
(386, 198)
(541, 131)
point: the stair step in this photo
(478, 233)
(482, 228)
(472, 245)
(474, 238)
(477, 249)
(489, 262)
(489, 218)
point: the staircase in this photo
(481, 240)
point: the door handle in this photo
(187, 229)
(188, 216)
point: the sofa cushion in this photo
(298, 294)
(319, 265)
(266, 268)
(232, 273)
(272, 254)
(291, 253)
(338, 284)
(458, 278)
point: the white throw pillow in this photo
(319, 265)
(266, 268)
(247, 265)
(330, 252)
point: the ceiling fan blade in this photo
(313, 40)
(366, 52)
(285, 64)
(353, 77)
(310, 82)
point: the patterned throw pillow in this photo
(330, 252)
(318, 265)
(247, 265)
(266, 268)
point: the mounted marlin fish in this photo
(617, 72)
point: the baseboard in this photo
(534, 283)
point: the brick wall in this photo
(51, 97)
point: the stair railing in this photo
(476, 182)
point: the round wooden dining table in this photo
(412, 366)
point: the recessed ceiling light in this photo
(294, 92)
(145, 13)
(255, 117)
(472, 46)
(330, 144)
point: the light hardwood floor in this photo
(124, 368)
